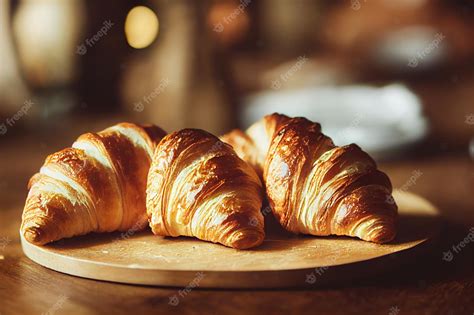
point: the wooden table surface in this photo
(428, 285)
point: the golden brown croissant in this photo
(98, 185)
(313, 186)
(198, 186)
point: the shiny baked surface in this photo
(97, 185)
(198, 186)
(315, 187)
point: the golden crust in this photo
(244, 147)
(197, 186)
(317, 188)
(98, 185)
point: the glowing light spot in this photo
(141, 27)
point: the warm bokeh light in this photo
(141, 27)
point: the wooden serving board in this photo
(283, 260)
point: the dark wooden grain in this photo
(428, 285)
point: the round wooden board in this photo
(283, 260)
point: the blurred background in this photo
(396, 77)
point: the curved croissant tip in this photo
(33, 235)
(246, 240)
(378, 229)
(380, 233)
(384, 236)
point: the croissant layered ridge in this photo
(315, 187)
(97, 185)
(199, 187)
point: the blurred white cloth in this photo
(382, 120)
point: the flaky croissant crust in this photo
(198, 186)
(315, 187)
(97, 185)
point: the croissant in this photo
(199, 187)
(97, 185)
(313, 186)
